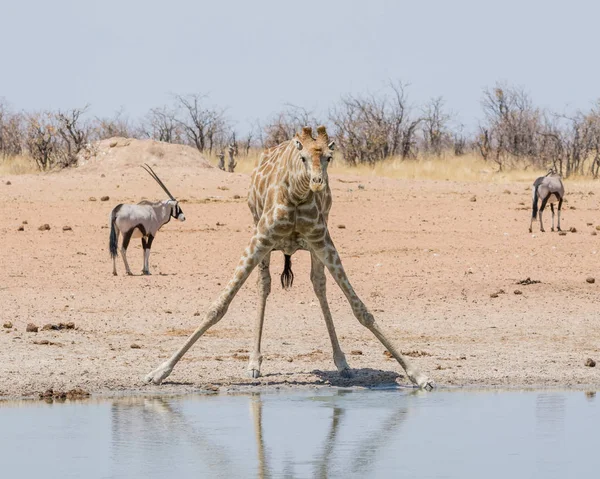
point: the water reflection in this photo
(144, 429)
(325, 433)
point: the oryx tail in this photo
(113, 240)
(535, 201)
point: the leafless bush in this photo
(511, 125)
(41, 138)
(435, 127)
(203, 127)
(374, 127)
(285, 124)
(162, 124)
(11, 132)
(73, 134)
(117, 125)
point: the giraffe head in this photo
(315, 155)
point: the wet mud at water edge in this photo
(463, 433)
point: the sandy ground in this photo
(421, 254)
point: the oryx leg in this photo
(126, 239)
(560, 200)
(319, 281)
(544, 201)
(263, 284)
(257, 249)
(146, 245)
(325, 251)
(114, 257)
(552, 208)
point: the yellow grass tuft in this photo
(17, 165)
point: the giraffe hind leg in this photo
(326, 252)
(263, 284)
(319, 281)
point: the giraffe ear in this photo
(331, 145)
(297, 143)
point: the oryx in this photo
(141, 221)
(548, 188)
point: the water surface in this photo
(327, 433)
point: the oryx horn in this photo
(155, 176)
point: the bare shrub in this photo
(373, 127)
(285, 124)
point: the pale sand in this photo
(422, 256)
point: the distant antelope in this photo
(141, 221)
(548, 188)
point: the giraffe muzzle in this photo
(317, 183)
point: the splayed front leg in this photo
(254, 253)
(328, 255)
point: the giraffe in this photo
(290, 199)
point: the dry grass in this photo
(463, 168)
(17, 165)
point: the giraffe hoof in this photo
(552, 230)
(129, 273)
(530, 230)
(346, 373)
(114, 273)
(146, 273)
(558, 229)
(158, 375)
(254, 373)
(422, 381)
(543, 231)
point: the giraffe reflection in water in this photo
(219, 435)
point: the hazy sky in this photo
(252, 57)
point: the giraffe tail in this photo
(287, 277)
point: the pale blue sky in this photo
(252, 57)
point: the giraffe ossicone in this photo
(290, 200)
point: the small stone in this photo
(342, 227)
(506, 192)
(593, 233)
(135, 346)
(67, 228)
(104, 198)
(590, 280)
(290, 360)
(518, 291)
(562, 233)
(8, 183)
(590, 363)
(572, 229)
(42, 341)
(236, 197)
(387, 354)
(361, 187)
(8, 325)
(356, 352)
(21, 228)
(473, 199)
(44, 227)
(494, 295)
(92, 198)
(31, 328)
(70, 325)
(590, 224)
(102, 175)
(25, 222)
(598, 227)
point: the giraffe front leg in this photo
(325, 250)
(257, 249)
(263, 284)
(319, 282)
